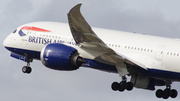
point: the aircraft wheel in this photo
(115, 86)
(26, 69)
(166, 93)
(159, 93)
(122, 86)
(129, 86)
(173, 93)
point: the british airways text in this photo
(45, 41)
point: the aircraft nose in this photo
(7, 42)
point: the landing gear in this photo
(27, 69)
(122, 85)
(166, 93)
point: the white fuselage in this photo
(155, 52)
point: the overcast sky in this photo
(153, 17)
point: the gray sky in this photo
(154, 17)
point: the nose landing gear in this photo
(27, 69)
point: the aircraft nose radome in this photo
(6, 42)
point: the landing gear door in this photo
(160, 52)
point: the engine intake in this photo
(61, 57)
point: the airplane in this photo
(149, 60)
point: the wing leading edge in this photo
(85, 37)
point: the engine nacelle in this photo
(61, 57)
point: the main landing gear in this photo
(27, 69)
(166, 93)
(122, 85)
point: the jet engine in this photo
(61, 57)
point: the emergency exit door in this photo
(160, 52)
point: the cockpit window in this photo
(15, 31)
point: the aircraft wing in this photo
(86, 38)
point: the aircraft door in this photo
(160, 52)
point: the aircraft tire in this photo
(159, 93)
(122, 86)
(173, 93)
(26, 69)
(129, 86)
(115, 86)
(166, 93)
